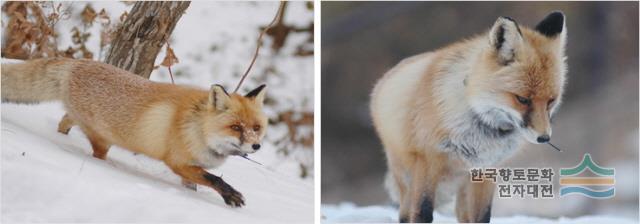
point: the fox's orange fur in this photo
(187, 128)
(467, 105)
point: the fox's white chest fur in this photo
(477, 140)
(477, 144)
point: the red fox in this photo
(467, 105)
(187, 128)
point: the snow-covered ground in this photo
(350, 213)
(48, 176)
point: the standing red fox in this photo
(467, 105)
(187, 128)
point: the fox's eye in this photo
(236, 127)
(524, 101)
(550, 102)
(256, 128)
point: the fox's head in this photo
(235, 124)
(517, 83)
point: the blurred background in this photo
(362, 40)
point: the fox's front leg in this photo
(427, 171)
(473, 203)
(198, 175)
(65, 124)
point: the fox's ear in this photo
(258, 94)
(552, 24)
(505, 37)
(218, 97)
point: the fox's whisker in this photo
(247, 158)
(559, 150)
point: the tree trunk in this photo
(139, 39)
(141, 36)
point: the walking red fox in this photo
(187, 128)
(467, 105)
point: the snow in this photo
(350, 213)
(48, 176)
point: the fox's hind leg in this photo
(188, 184)
(100, 145)
(396, 185)
(65, 124)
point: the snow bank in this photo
(48, 176)
(350, 213)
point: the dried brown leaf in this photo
(103, 18)
(169, 58)
(76, 38)
(69, 52)
(105, 38)
(86, 53)
(53, 16)
(29, 32)
(124, 16)
(88, 15)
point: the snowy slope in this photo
(215, 42)
(48, 176)
(350, 213)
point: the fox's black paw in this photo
(233, 198)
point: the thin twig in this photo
(169, 67)
(166, 40)
(170, 74)
(255, 55)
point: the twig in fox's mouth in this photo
(247, 158)
(559, 150)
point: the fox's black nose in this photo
(255, 146)
(543, 139)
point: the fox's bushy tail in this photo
(34, 81)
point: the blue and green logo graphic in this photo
(572, 184)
